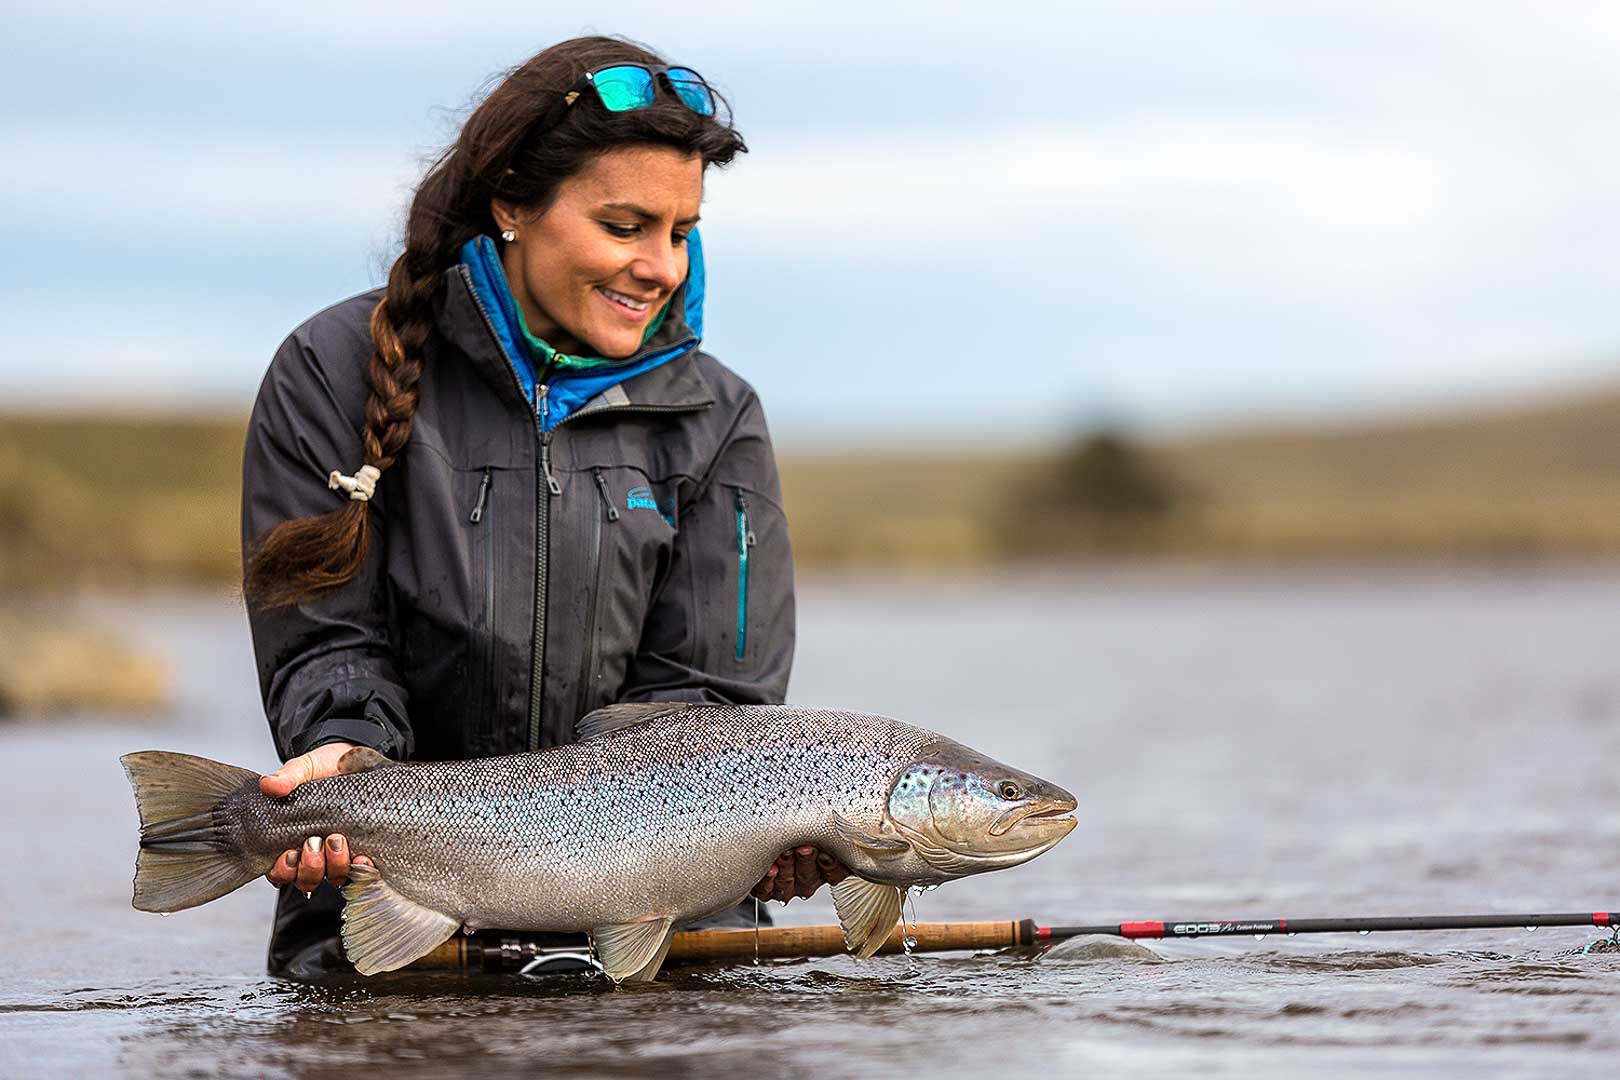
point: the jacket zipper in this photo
(588, 661)
(745, 540)
(546, 487)
(476, 517)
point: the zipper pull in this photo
(607, 497)
(545, 465)
(540, 400)
(477, 514)
(742, 511)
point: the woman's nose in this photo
(663, 266)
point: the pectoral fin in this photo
(868, 911)
(879, 847)
(383, 930)
(632, 952)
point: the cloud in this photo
(1172, 206)
(910, 194)
(216, 179)
(902, 196)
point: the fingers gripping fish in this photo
(660, 814)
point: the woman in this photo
(556, 502)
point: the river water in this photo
(1248, 744)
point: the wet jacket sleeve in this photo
(721, 625)
(326, 668)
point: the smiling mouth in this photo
(626, 305)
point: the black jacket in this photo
(516, 581)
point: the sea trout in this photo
(661, 813)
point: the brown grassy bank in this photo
(110, 499)
(56, 662)
(118, 499)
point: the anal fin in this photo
(632, 952)
(383, 930)
(868, 912)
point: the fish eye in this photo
(1009, 790)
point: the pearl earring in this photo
(509, 235)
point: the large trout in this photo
(659, 814)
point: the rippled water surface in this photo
(1277, 744)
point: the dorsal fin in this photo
(628, 714)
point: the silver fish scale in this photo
(678, 816)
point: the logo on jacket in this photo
(641, 498)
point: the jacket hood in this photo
(574, 380)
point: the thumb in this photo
(281, 782)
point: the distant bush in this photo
(1105, 476)
(1101, 492)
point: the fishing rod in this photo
(494, 950)
(1197, 928)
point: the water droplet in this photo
(1363, 933)
(1293, 933)
(1530, 929)
(1259, 937)
(756, 931)
(908, 937)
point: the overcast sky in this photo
(970, 223)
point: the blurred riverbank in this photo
(104, 502)
(153, 500)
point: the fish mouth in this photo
(1040, 816)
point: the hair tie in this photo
(361, 486)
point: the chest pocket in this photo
(626, 548)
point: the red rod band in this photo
(1141, 929)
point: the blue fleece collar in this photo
(567, 391)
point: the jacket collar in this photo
(492, 344)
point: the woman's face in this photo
(591, 271)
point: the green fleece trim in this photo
(559, 361)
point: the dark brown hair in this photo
(518, 145)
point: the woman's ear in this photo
(505, 217)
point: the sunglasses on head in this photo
(624, 87)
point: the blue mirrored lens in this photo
(691, 88)
(625, 87)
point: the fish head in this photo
(964, 813)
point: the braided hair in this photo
(518, 145)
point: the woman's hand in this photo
(327, 857)
(800, 872)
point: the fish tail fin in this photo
(188, 854)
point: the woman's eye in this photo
(679, 238)
(619, 230)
